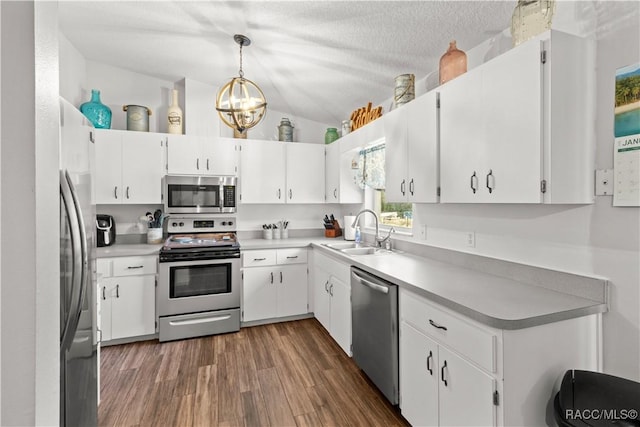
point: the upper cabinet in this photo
(128, 167)
(196, 155)
(411, 151)
(276, 172)
(340, 185)
(517, 128)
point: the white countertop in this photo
(120, 250)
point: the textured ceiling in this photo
(314, 59)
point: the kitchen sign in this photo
(626, 156)
(364, 115)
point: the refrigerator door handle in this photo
(80, 258)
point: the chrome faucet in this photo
(379, 240)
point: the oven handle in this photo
(198, 321)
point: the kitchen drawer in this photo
(103, 268)
(135, 265)
(479, 345)
(292, 256)
(258, 258)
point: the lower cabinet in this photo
(274, 284)
(127, 293)
(332, 298)
(455, 371)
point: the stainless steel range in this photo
(199, 282)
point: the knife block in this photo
(336, 231)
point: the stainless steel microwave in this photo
(199, 194)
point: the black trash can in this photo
(593, 399)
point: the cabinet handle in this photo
(134, 267)
(259, 259)
(429, 359)
(402, 187)
(127, 192)
(435, 325)
(335, 193)
(278, 194)
(117, 291)
(326, 284)
(411, 187)
(281, 277)
(442, 377)
(271, 277)
(115, 191)
(473, 178)
(207, 164)
(104, 290)
(290, 194)
(331, 290)
(490, 187)
(198, 164)
(292, 257)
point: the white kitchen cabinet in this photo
(411, 151)
(275, 172)
(128, 167)
(340, 185)
(332, 298)
(196, 155)
(305, 173)
(455, 371)
(513, 129)
(262, 172)
(127, 297)
(274, 284)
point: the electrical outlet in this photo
(604, 182)
(471, 239)
(423, 232)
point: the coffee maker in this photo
(105, 230)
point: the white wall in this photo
(594, 239)
(30, 202)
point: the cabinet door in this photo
(220, 156)
(395, 162)
(321, 297)
(466, 393)
(418, 377)
(259, 293)
(423, 177)
(133, 306)
(142, 167)
(461, 137)
(108, 182)
(349, 191)
(332, 173)
(292, 290)
(262, 172)
(512, 107)
(305, 173)
(341, 313)
(183, 155)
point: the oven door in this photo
(197, 286)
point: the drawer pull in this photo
(198, 321)
(259, 259)
(429, 359)
(292, 257)
(117, 291)
(444, 380)
(272, 277)
(435, 325)
(135, 267)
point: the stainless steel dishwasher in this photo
(374, 311)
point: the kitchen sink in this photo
(359, 251)
(340, 246)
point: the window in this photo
(372, 179)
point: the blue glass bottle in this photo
(97, 113)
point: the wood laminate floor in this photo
(283, 374)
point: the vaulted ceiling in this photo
(314, 59)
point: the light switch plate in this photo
(604, 182)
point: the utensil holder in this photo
(285, 233)
(154, 235)
(276, 233)
(267, 234)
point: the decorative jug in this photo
(97, 113)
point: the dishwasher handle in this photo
(374, 286)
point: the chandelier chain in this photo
(241, 73)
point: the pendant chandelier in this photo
(240, 103)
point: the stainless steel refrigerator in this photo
(78, 331)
